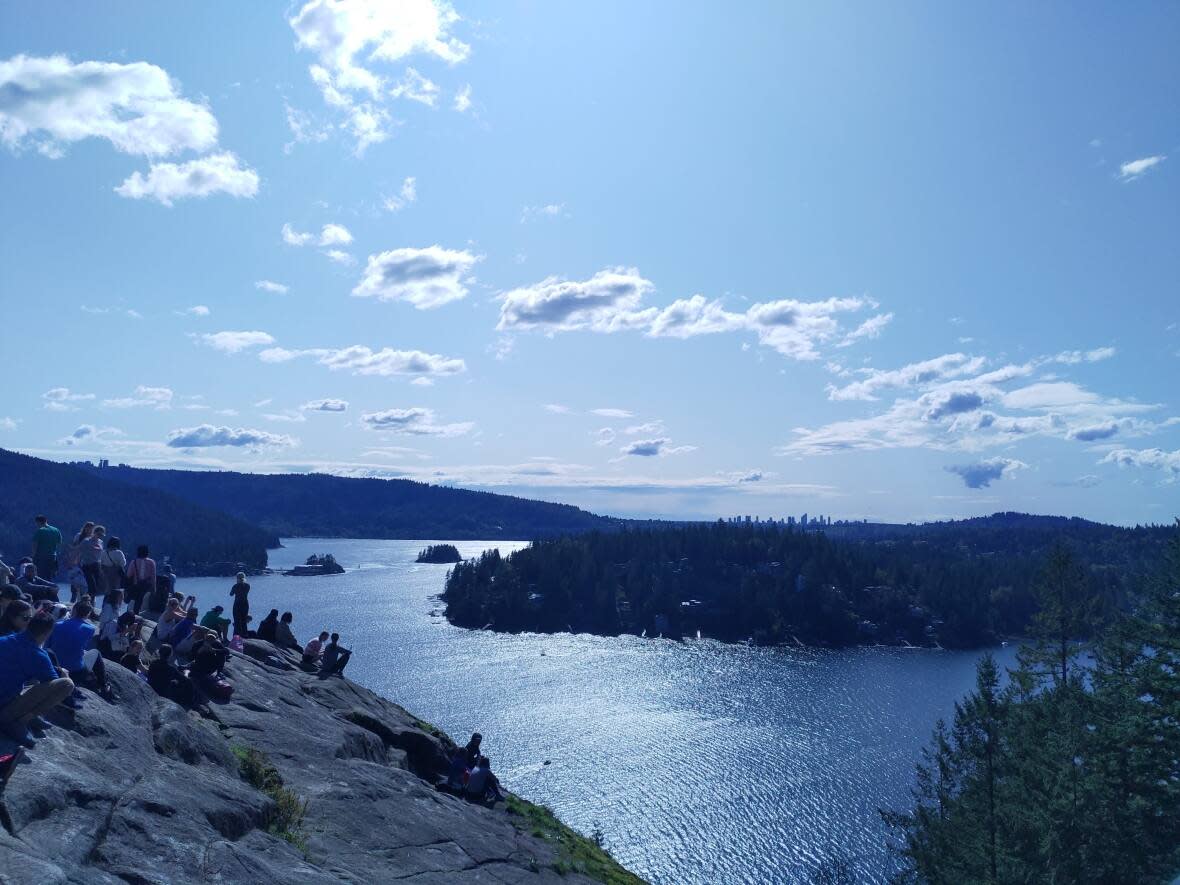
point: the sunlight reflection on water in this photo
(700, 762)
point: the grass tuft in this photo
(575, 853)
(286, 820)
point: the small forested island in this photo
(443, 553)
(955, 584)
(317, 565)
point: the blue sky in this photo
(905, 262)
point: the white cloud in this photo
(650, 448)
(330, 234)
(207, 435)
(651, 427)
(550, 210)
(216, 173)
(604, 436)
(463, 99)
(289, 416)
(61, 399)
(557, 409)
(51, 101)
(361, 360)
(335, 235)
(415, 421)
(604, 303)
(1073, 357)
(1133, 169)
(325, 405)
(156, 397)
(404, 197)
(982, 474)
(611, 301)
(416, 88)
(1150, 459)
(349, 36)
(197, 310)
(88, 433)
(950, 365)
(959, 406)
(234, 342)
(423, 381)
(271, 286)
(340, 257)
(612, 413)
(870, 328)
(426, 278)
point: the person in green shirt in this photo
(46, 543)
(214, 621)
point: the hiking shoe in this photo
(37, 724)
(72, 702)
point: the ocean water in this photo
(698, 762)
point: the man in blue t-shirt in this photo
(46, 543)
(23, 660)
(71, 641)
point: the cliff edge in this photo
(297, 779)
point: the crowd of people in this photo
(128, 613)
(120, 613)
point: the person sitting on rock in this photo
(266, 630)
(312, 652)
(37, 588)
(15, 617)
(457, 773)
(208, 663)
(183, 629)
(482, 785)
(133, 658)
(172, 615)
(23, 660)
(214, 621)
(167, 680)
(284, 638)
(71, 643)
(112, 607)
(471, 751)
(335, 657)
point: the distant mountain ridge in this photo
(191, 535)
(317, 505)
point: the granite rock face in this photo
(143, 791)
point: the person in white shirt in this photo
(114, 565)
(112, 607)
(311, 653)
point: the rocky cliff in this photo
(296, 779)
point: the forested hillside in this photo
(962, 586)
(190, 534)
(321, 506)
(1069, 772)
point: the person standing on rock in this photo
(46, 544)
(90, 554)
(141, 578)
(241, 594)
